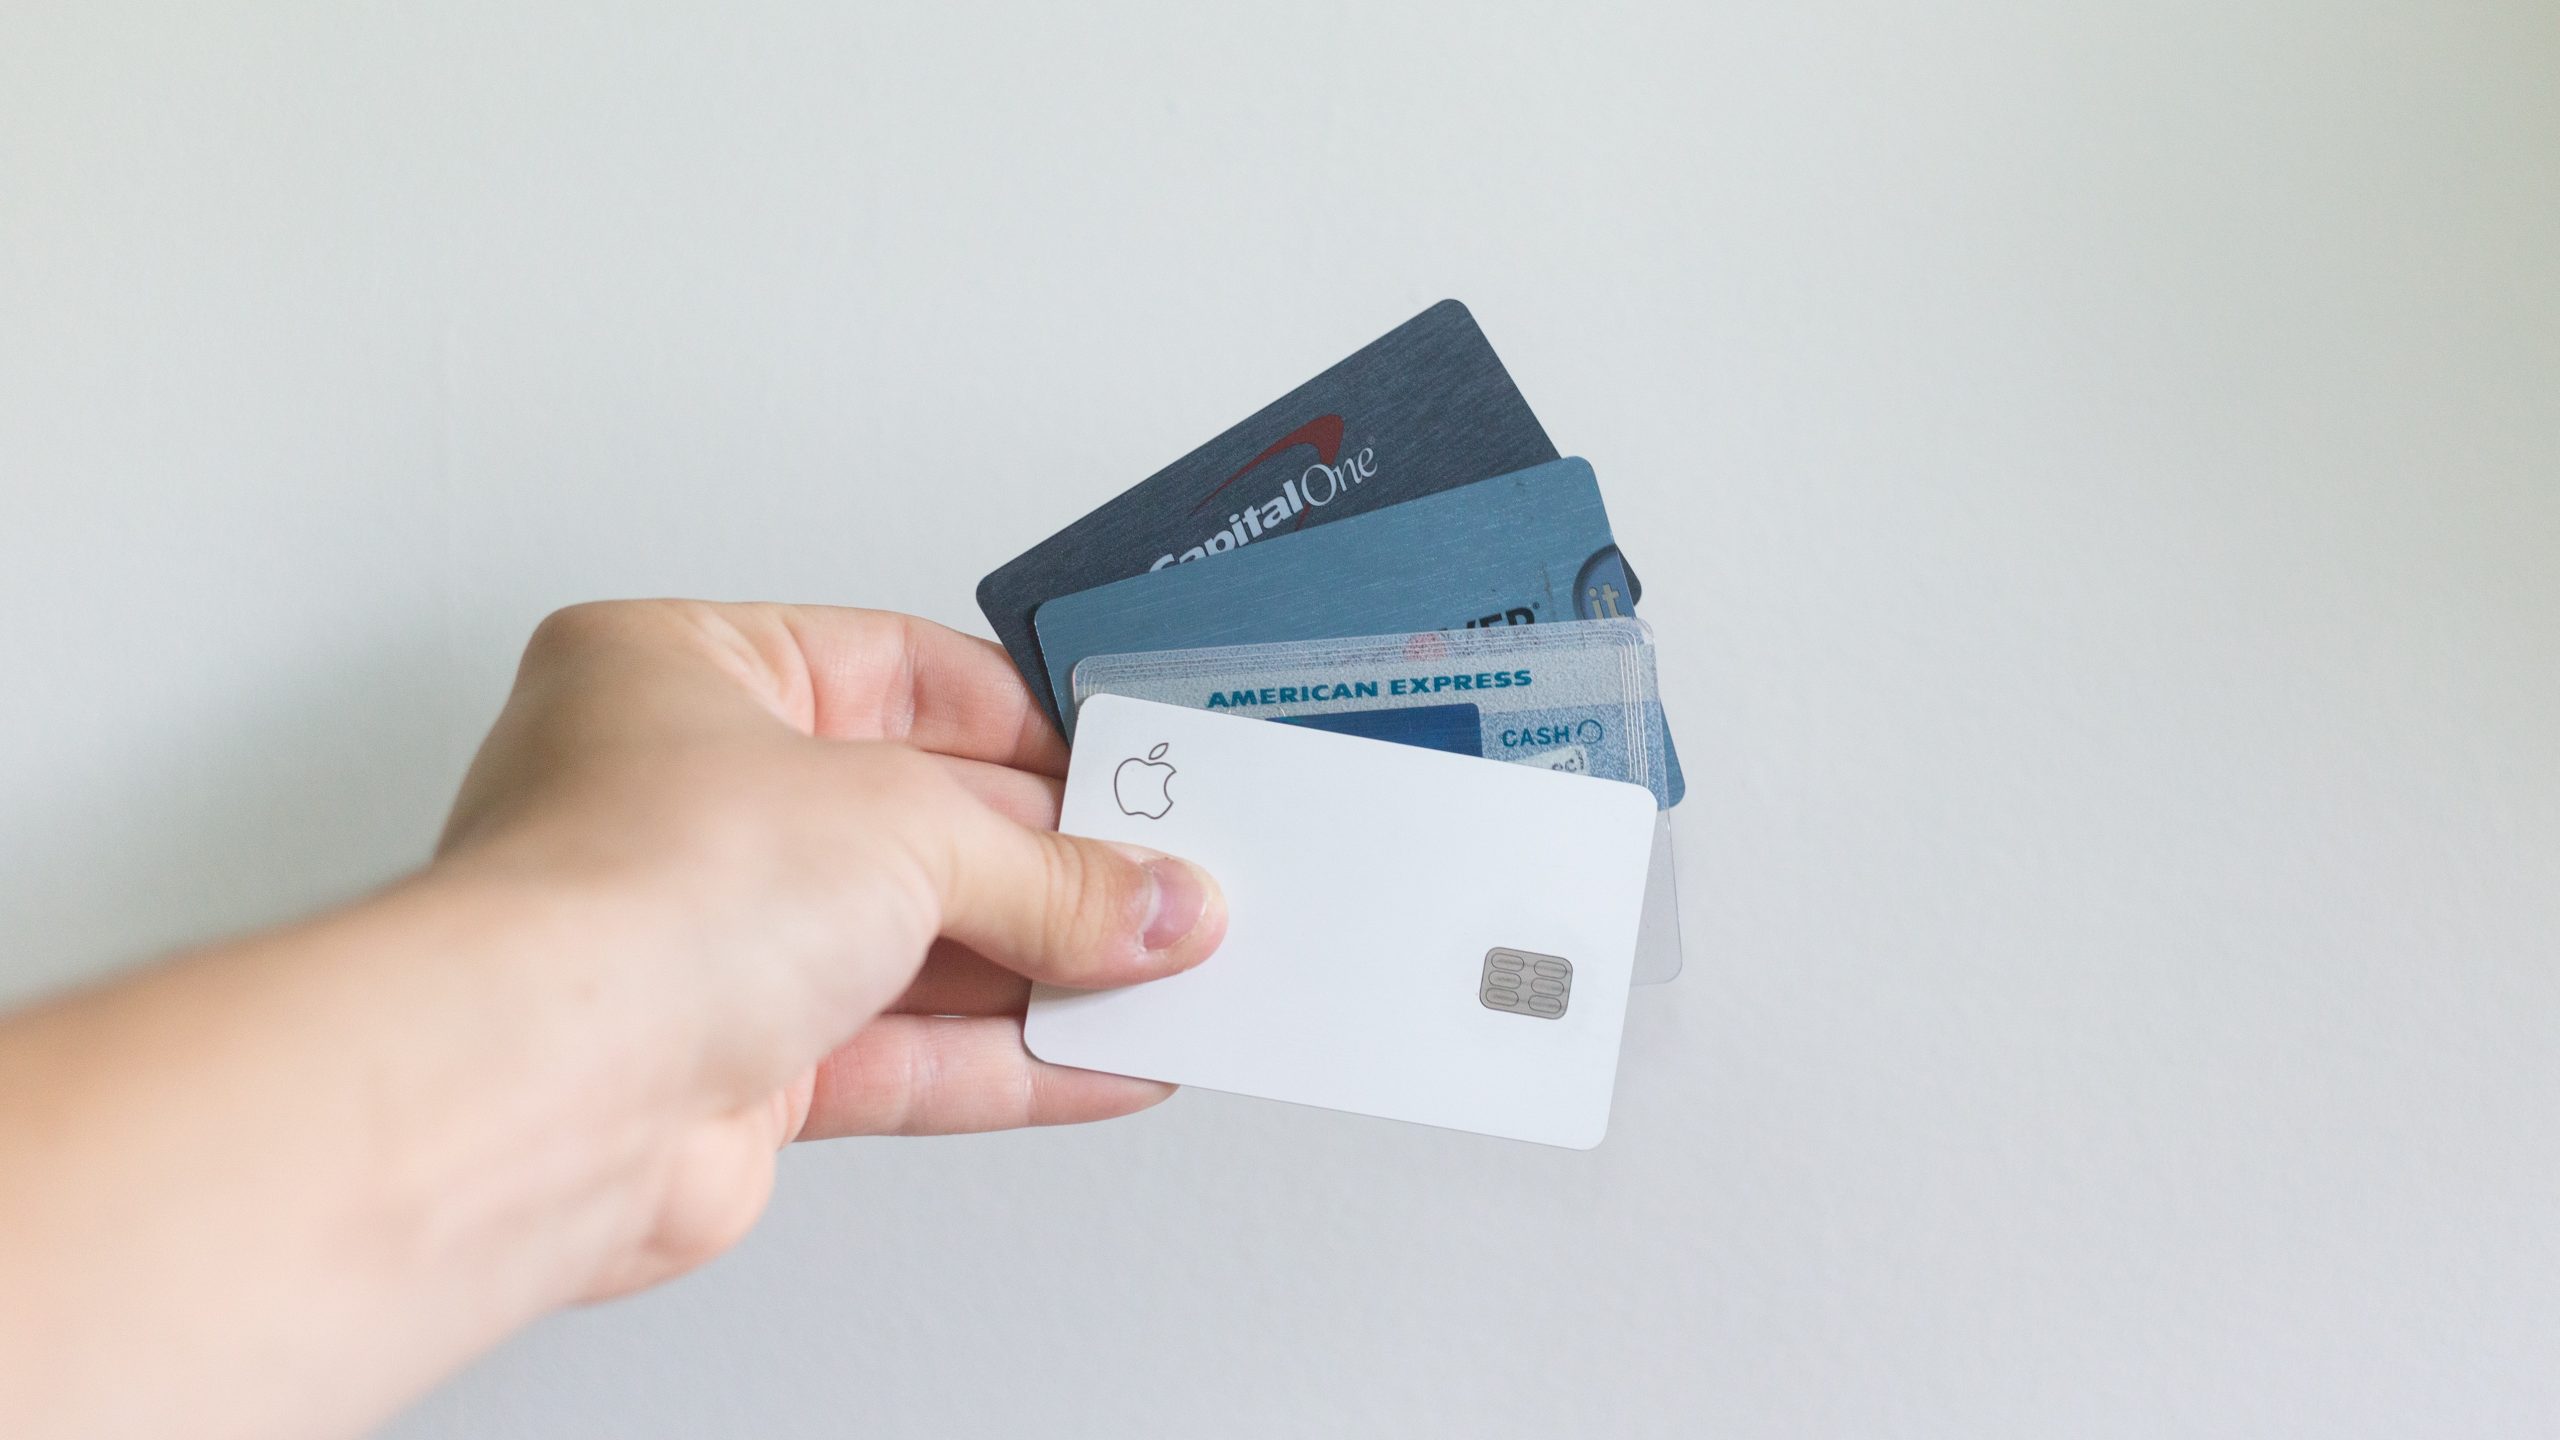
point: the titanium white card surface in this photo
(1411, 934)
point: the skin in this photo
(721, 877)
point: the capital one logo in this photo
(1311, 488)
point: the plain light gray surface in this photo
(2096, 472)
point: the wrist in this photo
(366, 1124)
(541, 1084)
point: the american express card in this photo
(1578, 696)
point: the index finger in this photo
(877, 675)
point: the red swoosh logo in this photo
(1323, 432)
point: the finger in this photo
(917, 1075)
(1018, 795)
(875, 675)
(955, 981)
(835, 673)
(1069, 910)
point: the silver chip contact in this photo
(1522, 982)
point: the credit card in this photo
(1579, 696)
(1526, 549)
(1423, 408)
(1412, 935)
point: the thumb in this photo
(1072, 911)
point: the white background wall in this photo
(2097, 471)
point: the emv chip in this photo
(1521, 982)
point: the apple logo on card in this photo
(1139, 785)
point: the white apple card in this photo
(1411, 934)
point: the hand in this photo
(820, 843)
(721, 876)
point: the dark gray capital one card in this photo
(1424, 408)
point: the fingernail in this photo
(1178, 897)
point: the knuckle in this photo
(575, 627)
(1061, 888)
(880, 647)
(1030, 1097)
(1087, 906)
(878, 634)
(865, 642)
(920, 1087)
(911, 779)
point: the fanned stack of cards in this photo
(1393, 552)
